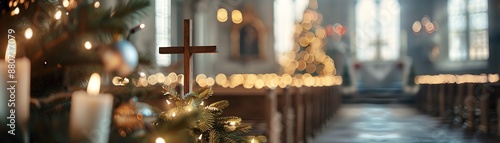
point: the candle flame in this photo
(94, 84)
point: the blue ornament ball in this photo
(129, 55)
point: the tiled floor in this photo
(371, 123)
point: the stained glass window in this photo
(163, 13)
(468, 30)
(377, 27)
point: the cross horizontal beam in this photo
(192, 49)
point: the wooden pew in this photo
(256, 106)
(470, 103)
(287, 111)
(298, 105)
(459, 105)
(287, 115)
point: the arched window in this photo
(163, 32)
(468, 30)
(283, 23)
(377, 30)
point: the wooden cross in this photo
(188, 51)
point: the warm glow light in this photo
(222, 15)
(417, 26)
(152, 79)
(94, 84)
(220, 79)
(172, 77)
(173, 114)
(253, 140)
(65, 3)
(97, 4)
(259, 84)
(88, 45)
(15, 11)
(210, 81)
(429, 27)
(58, 14)
(458, 79)
(237, 16)
(28, 33)
(232, 123)
(159, 140)
(493, 78)
(142, 26)
(160, 77)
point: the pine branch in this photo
(221, 105)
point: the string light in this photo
(173, 114)
(159, 140)
(97, 4)
(15, 11)
(232, 123)
(65, 3)
(222, 15)
(202, 103)
(168, 102)
(237, 16)
(28, 33)
(248, 81)
(456, 79)
(58, 14)
(142, 26)
(88, 45)
(253, 140)
(199, 138)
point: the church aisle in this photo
(391, 123)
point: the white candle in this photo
(15, 85)
(90, 115)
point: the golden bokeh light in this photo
(15, 11)
(259, 83)
(222, 15)
(160, 77)
(28, 33)
(210, 81)
(88, 45)
(97, 4)
(58, 15)
(417, 26)
(152, 79)
(65, 3)
(456, 79)
(237, 16)
(220, 79)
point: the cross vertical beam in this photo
(188, 57)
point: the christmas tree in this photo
(308, 55)
(68, 40)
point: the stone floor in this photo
(393, 123)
